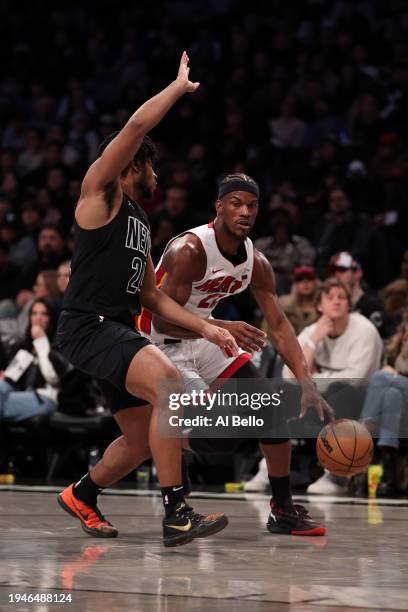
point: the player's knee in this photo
(170, 373)
(168, 381)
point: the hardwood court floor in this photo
(362, 564)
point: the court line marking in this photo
(329, 499)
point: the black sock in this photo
(172, 496)
(87, 490)
(280, 489)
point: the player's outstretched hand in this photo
(183, 73)
(248, 337)
(222, 338)
(312, 398)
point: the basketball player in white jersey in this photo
(198, 269)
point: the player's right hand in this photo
(222, 338)
(183, 73)
(311, 398)
(248, 337)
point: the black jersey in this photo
(108, 265)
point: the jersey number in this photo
(211, 301)
(136, 279)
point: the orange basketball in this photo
(345, 447)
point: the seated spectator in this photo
(342, 230)
(31, 218)
(177, 209)
(63, 273)
(45, 286)
(299, 306)
(395, 300)
(10, 282)
(22, 249)
(284, 249)
(287, 130)
(29, 384)
(51, 251)
(366, 302)
(385, 407)
(31, 157)
(341, 346)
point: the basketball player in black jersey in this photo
(112, 273)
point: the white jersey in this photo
(221, 279)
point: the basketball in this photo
(345, 447)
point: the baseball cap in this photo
(341, 262)
(304, 272)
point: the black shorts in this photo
(102, 348)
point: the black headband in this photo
(238, 184)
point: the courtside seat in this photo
(73, 436)
(50, 441)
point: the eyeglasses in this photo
(345, 269)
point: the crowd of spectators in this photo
(308, 98)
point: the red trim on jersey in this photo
(235, 365)
(211, 224)
(143, 322)
(230, 371)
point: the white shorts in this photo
(200, 362)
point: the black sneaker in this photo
(293, 520)
(184, 525)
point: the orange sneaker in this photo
(92, 520)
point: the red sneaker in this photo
(293, 520)
(92, 520)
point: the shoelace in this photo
(95, 517)
(296, 509)
(301, 510)
(188, 511)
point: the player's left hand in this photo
(248, 337)
(222, 338)
(312, 398)
(183, 74)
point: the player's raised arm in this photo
(283, 336)
(119, 153)
(165, 307)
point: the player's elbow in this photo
(138, 126)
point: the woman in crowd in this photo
(385, 406)
(30, 383)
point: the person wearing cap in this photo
(344, 267)
(299, 305)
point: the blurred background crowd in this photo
(309, 98)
